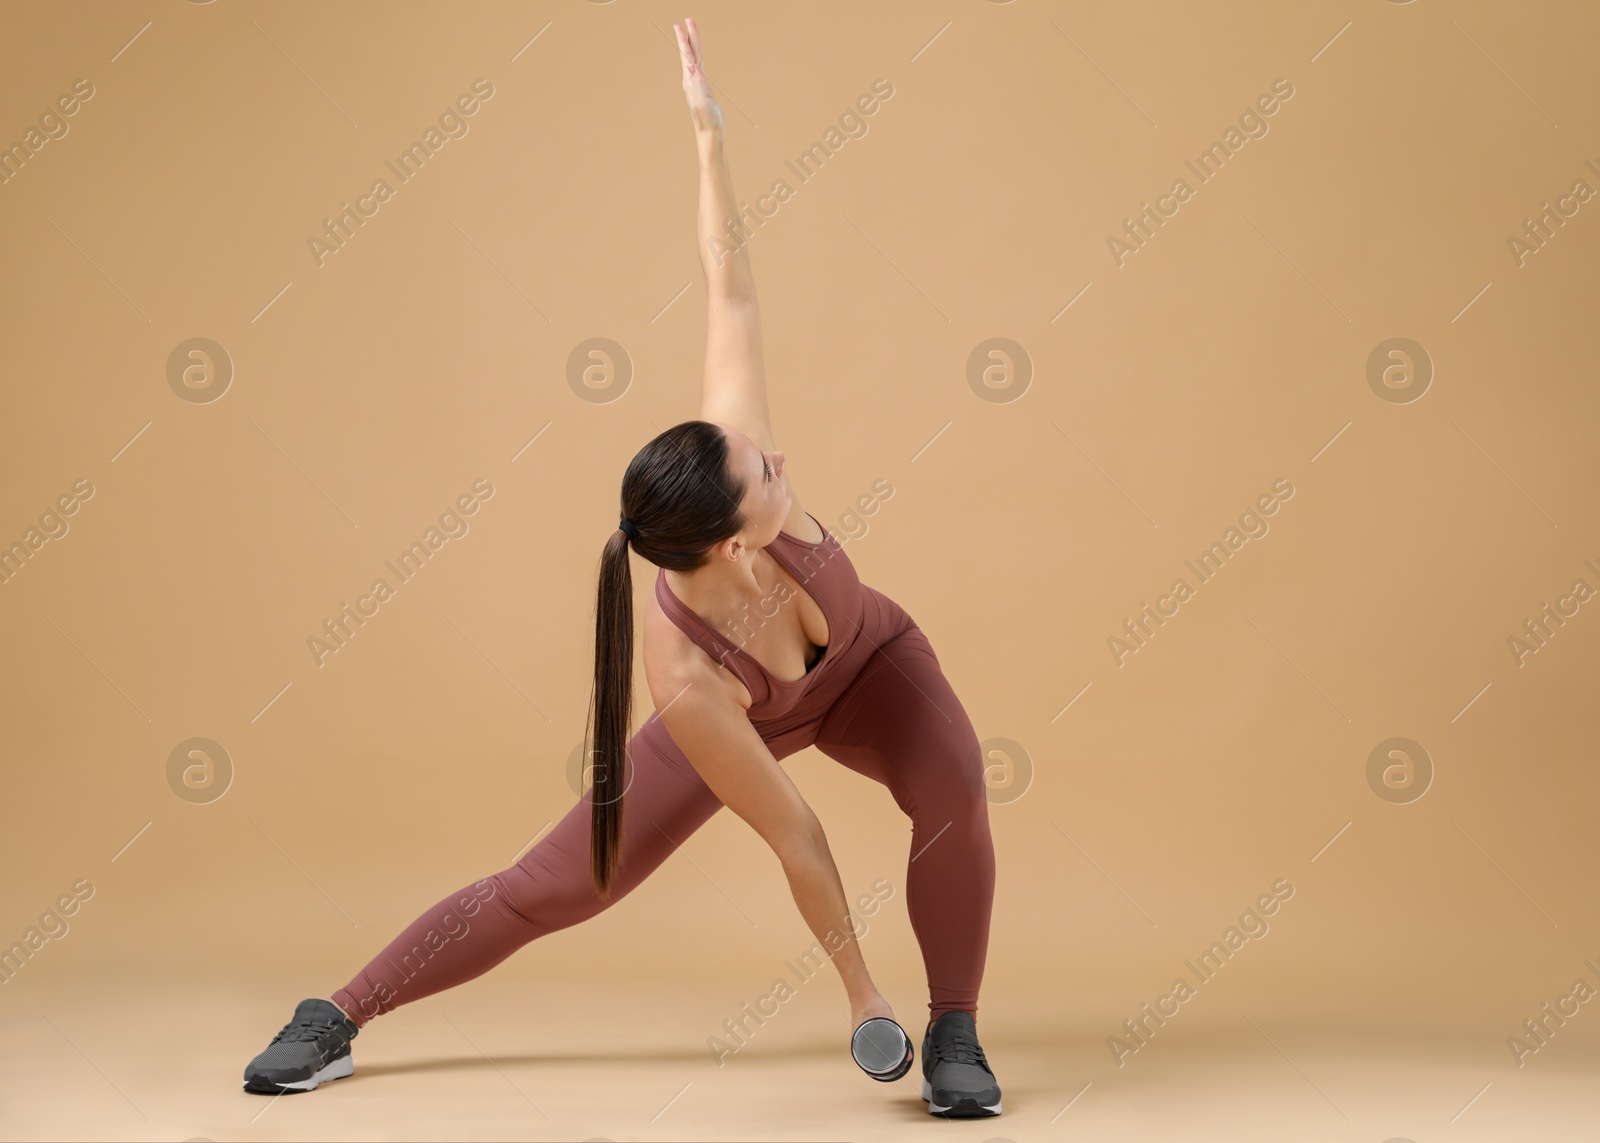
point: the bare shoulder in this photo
(673, 661)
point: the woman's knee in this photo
(957, 772)
(548, 892)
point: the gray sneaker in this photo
(311, 1048)
(956, 1080)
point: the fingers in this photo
(685, 50)
(689, 45)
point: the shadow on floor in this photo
(665, 1055)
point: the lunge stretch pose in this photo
(760, 641)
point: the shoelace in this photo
(958, 1049)
(304, 1030)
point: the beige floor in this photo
(510, 1057)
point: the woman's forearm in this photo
(724, 254)
(814, 881)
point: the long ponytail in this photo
(611, 707)
(680, 500)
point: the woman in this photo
(828, 662)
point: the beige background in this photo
(1173, 790)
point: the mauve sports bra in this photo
(826, 574)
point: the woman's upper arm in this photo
(734, 387)
(715, 734)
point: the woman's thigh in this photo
(664, 801)
(900, 723)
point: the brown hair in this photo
(681, 499)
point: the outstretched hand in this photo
(867, 1008)
(703, 108)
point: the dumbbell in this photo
(881, 1048)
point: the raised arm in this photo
(734, 387)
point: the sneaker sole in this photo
(338, 1069)
(962, 1109)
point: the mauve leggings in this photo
(898, 722)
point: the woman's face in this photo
(766, 497)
